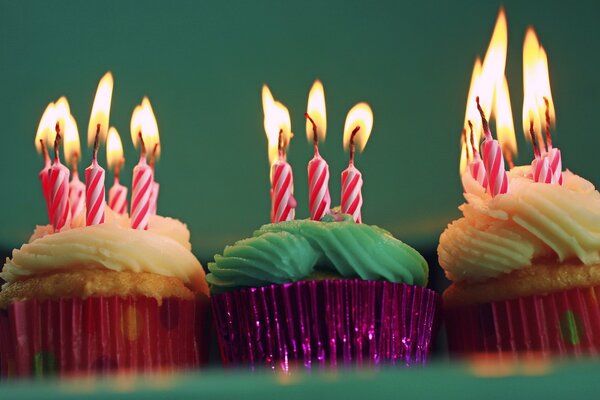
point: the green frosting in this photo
(303, 249)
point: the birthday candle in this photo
(59, 190)
(493, 160)
(117, 194)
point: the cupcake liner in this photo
(325, 323)
(560, 324)
(102, 335)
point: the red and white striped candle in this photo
(45, 179)
(140, 191)
(283, 203)
(357, 129)
(76, 195)
(555, 164)
(352, 192)
(94, 189)
(493, 160)
(59, 190)
(117, 197)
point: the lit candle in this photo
(476, 167)
(493, 159)
(537, 107)
(357, 129)
(97, 131)
(142, 173)
(319, 199)
(505, 128)
(44, 134)
(59, 188)
(152, 142)
(72, 152)
(278, 129)
(117, 195)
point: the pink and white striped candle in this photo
(94, 189)
(44, 176)
(59, 190)
(140, 191)
(555, 164)
(352, 192)
(493, 160)
(283, 203)
(76, 195)
(541, 170)
(319, 199)
(154, 196)
(476, 166)
(117, 197)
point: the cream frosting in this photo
(163, 249)
(507, 232)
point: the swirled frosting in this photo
(295, 250)
(510, 231)
(163, 249)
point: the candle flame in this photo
(359, 116)
(101, 109)
(72, 147)
(471, 114)
(494, 63)
(277, 119)
(45, 131)
(144, 121)
(505, 128)
(316, 110)
(536, 86)
(62, 113)
(114, 149)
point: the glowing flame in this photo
(471, 114)
(45, 131)
(277, 118)
(144, 121)
(62, 112)
(101, 109)
(494, 63)
(72, 148)
(505, 128)
(359, 116)
(536, 86)
(316, 110)
(114, 149)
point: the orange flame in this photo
(316, 110)
(360, 116)
(101, 109)
(277, 118)
(114, 150)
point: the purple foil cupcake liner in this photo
(326, 323)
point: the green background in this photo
(203, 63)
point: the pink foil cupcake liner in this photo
(561, 324)
(102, 335)
(326, 323)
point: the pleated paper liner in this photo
(101, 335)
(326, 323)
(562, 324)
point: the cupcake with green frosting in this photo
(322, 293)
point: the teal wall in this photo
(203, 63)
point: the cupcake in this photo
(321, 293)
(525, 268)
(103, 298)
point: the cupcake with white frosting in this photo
(525, 268)
(102, 298)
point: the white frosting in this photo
(535, 220)
(163, 249)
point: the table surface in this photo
(478, 379)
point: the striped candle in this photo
(283, 203)
(117, 197)
(351, 192)
(154, 196)
(140, 193)
(555, 165)
(76, 195)
(476, 166)
(59, 191)
(94, 193)
(44, 176)
(541, 170)
(493, 160)
(319, 199)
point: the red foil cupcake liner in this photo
(325, 323)
(102, 335)
(560, 324)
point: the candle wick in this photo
(352, 147)
(314, 126)
(280, 144)
(548, 136)
(536, 151)
(56, 144)
(472, 139)
(143, 147)
(44, 151)
(153, 155)
(484, 122)
(96, 139)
